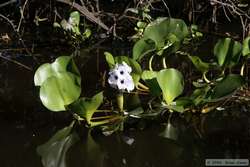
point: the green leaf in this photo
(161, 34)
(141, 24)
(53, 153)
(171, 83)
(199, 64)
(246, 47)
(87, 33)
(75, 18)
(226, 87)
(109, 59)
(61, 64)
(136, 68)
(149, 77)
(142, 48)
(87, 107)
(227, 52)
(159, 29)
(199, 95)
(58, 91)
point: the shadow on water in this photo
(25, 124)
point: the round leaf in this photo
(61, 64)
(57, 92)
(227, 52)
(171, 83)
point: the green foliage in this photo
(246, 47)
(72, 26)
(53, 153)
(162, 34)
(171, 83)
(199, 64)
(109, 59)
(86, 107)
(225, 87)
(60, 83)
(142, 48)
(149, 77)
(227, 52)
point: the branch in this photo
(83, 10)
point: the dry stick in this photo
(166, 6)
(85, 12)
(16, 62)
(234, 8)
(21, 19)
(7, 3)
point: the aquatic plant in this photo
(71, 27)
(60, 81)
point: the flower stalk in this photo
(120, 101)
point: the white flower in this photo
(120, 78)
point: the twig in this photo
(85, 12)
(16, 62)
(15, 30)
(21, 12)
(7, 3)
(9, 21)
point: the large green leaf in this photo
(171, 83)
(136, 68)
(149, 77)
(142, 48)
(61, 64)
(226, 87)
(160, 29)
(53, 153)
(58, 91)
(199, 64)
(227, 52)
(246, 47)
(161, 34)
(86, 107)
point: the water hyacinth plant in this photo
(142, 92)
(60, 82)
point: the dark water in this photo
(26, 124)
